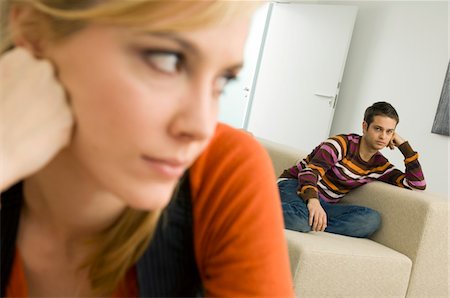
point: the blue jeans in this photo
(355, 221)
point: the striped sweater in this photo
(335, 167)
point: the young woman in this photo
(118, 180)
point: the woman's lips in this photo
(169, 168)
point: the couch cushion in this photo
(324, 264)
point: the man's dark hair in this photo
(380, 108)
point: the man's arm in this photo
(317, 164)
(413, 176)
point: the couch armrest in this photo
(282, 156)
(415, 224)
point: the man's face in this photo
(379, 133)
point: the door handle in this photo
(331, 98)
(324, 95)
(246, 92)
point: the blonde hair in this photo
(120, 246)
(65, 17)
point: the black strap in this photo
(12, 201)
(168, 267)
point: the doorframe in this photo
(258, 66)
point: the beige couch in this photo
(407, 257)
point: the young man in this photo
(311, 190)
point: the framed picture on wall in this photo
(441, 124)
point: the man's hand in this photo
(317, 216)
(396, 141)
(35, 119)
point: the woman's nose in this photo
(196, 115)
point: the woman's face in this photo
(145, 104)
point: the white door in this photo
(299, 74)
(234, 100)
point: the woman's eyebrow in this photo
(191, 47)
(185, 44)
(235, 68)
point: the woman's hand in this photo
(35, 119)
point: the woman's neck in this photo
(65, 199)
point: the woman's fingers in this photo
(36, 119)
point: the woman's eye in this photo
(222, 82)
(164, 61)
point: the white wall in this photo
(399, 53)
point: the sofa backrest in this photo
(282, 156)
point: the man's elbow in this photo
(418, 185)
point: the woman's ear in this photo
(27, 29)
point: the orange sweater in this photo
(17, 286)
(238, 225)
(239, 242)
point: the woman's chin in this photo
(151, 197)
